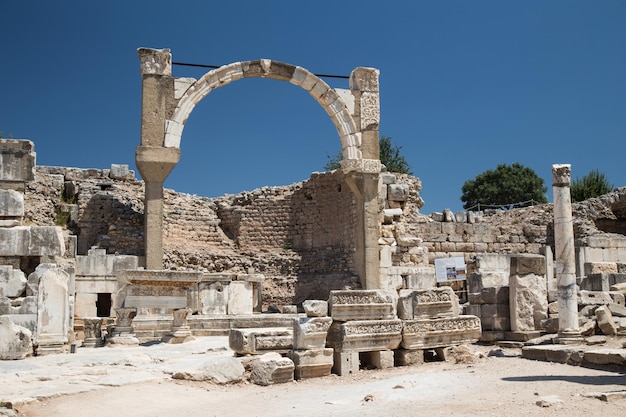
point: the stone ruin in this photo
(327, 275)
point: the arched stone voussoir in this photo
(267, 68)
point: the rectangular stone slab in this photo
(441, 332)
(260, 340)
(365, 335)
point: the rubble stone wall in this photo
(293, 234)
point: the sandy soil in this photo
(492, 386)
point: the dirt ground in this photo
(492, 386)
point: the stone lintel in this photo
(347, 305)
(160, 277)
(442, 332)
(260, 340)
(365, 335)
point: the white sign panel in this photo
(450, 269)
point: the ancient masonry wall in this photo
(304, 230)
(300, 233)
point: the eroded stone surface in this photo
(15, 341)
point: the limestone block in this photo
(461, 217)
(28, 321)
(219, 370)
(437, 216)
(528, 298)
(260, 340)
(594, 297)
(387, 178)
(494, 295)
(15, 341)
(381, 359)
(618, 298)
(617, 310)
(315, 308)
(347, 305)
(390, 214)
(119, 171)
(11, 203)
(213, 297)
(600, 267)
(432, 303)
(448, 216)
(53, 306)
(240, 297)
(310, 332)
(270, 369)
(311, 363)
(289, 309)
(495, 269)
(605, 321)
(18, 160)
(441, 332)
(46, 241)
(528, 264)
(365, 335)
(596, 282)
(605, 356)
(15, 241)
(12, 281)
(398, 192)
(421, 278)
(406, 357)
(472, 310)
(345, 363)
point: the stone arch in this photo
(329, 99)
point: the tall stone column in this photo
(154, 161)
(569, 331)
(364, 186)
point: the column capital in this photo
(155, 61)
(561, 175)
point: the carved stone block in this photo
(310, 332)
(260, 340)
(365, 335)
(348, 305)
(433, 333)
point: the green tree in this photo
(507, 185)
(591, 185)
(390, 156)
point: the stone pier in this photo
(569, 331)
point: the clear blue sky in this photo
(465, 85)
